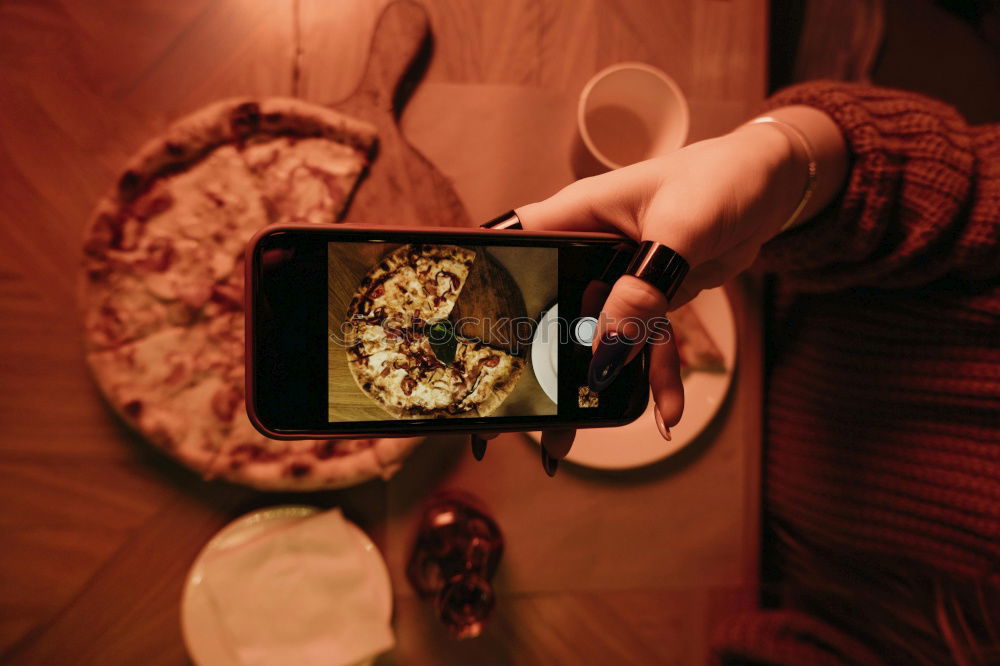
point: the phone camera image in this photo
(421, 330)
(371, 331)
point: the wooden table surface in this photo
(99, 530)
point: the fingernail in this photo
(549, 464)
(508, 220)
(608, 361)
(664, 430)
(478, 447)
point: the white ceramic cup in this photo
(630, 112)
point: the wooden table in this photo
(99, 530)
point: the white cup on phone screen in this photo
(630, 112)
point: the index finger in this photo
(610, 202)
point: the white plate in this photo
(639, 443)
(544, 353)
(203, 635)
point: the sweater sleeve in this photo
(921, 201)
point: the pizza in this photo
(397, 314)
(162, 283)
(414, 282)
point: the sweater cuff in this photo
(876, 226)
(785, 637)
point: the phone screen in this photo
(446, 330)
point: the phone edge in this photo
(250, 254)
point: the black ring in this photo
(660, 266)
(508, 220)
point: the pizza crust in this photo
(413, 284)
(234, 121)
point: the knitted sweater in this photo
(882, 442)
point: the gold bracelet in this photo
(811, 182)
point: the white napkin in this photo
(301, 594)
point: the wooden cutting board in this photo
(490, 306)
(402, 187)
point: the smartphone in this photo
(382, 331)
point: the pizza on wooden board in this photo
(162, 283)
(398, 311)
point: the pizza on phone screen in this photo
(403, 352)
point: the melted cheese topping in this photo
(400, 369)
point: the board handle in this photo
(401, 49)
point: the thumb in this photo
(633, 313)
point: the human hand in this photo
(715, 203)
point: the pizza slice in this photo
(192, 424)
(172, 385)
(489, 376)
(442, 271)
(146, 370)
(413, 284)
(697, 350)
(216, 200)
(305, 179)
(159, 261)
(390, 291)
(118, 310)
(184, 388)
(399, 370)
(248, 457)
(217, 436)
